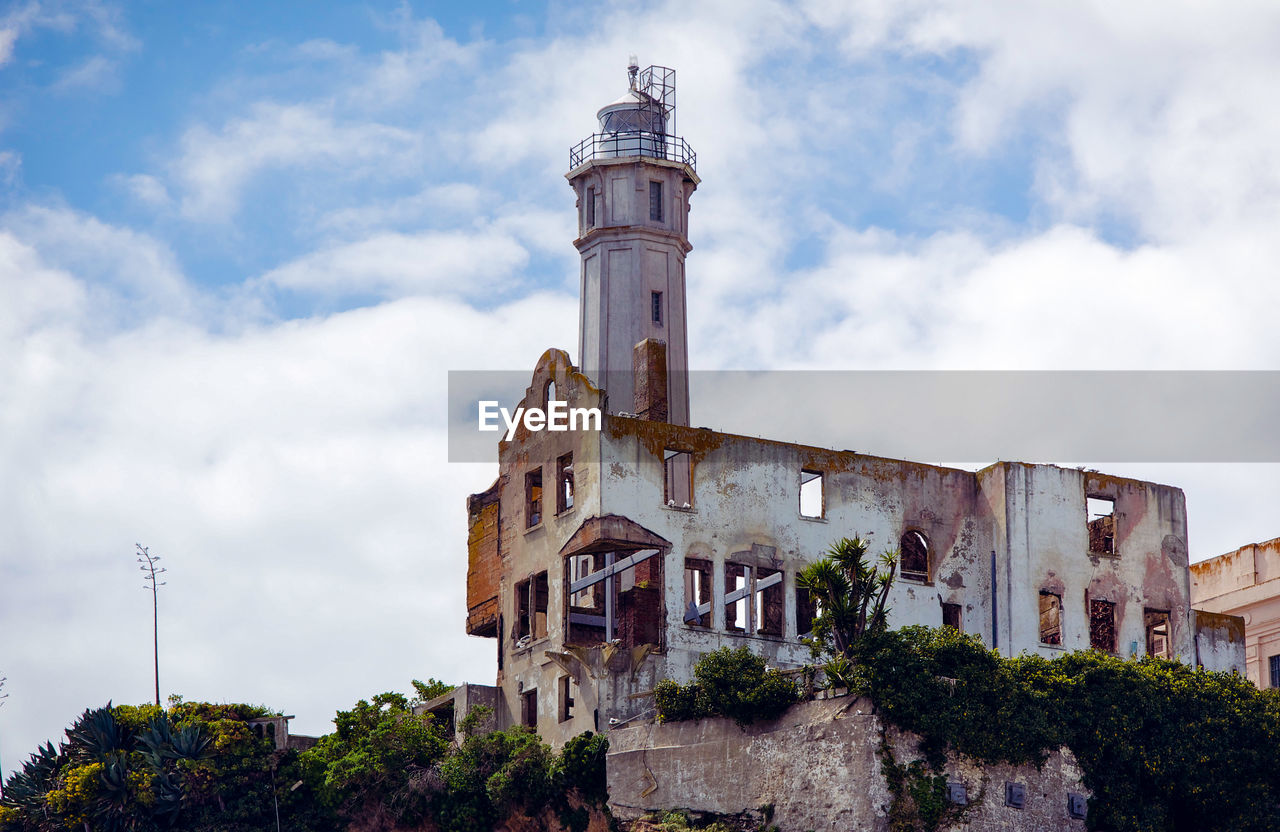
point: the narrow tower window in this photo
(564, 473)
(591, 207)
(655, 201)
(655, 307)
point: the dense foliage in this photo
(733, 683)
(1163, 746)
(194, 766)
(198, 767)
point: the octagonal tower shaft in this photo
(633, 216)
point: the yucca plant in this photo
(851, 594)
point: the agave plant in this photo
(26, 789)
(95, 734)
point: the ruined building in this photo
(1246, 583)
(601, 562)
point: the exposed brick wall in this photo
(484, 562)
(649, 363)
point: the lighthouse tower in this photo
(633, 180)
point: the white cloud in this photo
(144, 188)
(215, 167)
(8, 35)
(96, 72)
(395, 265)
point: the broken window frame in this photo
(809, 476)
(677, 479)
(1102, 528)
(1157, 624)
(533, 497)
(1051, 635)
(565, 699)
(1102, 622)
(529, 708)
(914, 575)
(532, 597)
(564, 483)
(698, 592)
(750, 598)
(607, 575)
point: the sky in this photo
(241, 244)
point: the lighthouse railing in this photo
(614, 145)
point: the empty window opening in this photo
(531, 610)
(768, 612)
(914, 551)
(1050, 618)
(591, 207)
(551, 393)
(564, 492)
(806, 611)
(678, 479)
(951, 616)
(567, 689)
(1101, 515)
(619, 598)
(655, 307)
(533, 497)
(1275, 671)
(529, 709)
(1102, 626)
(811, 494)
(655, 201)
(1157, 624)
(697, 592)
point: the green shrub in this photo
(732, 683)
(1162, 746)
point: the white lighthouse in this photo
(633, 180)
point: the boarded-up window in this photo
(1050, 618)
(1102, 626)
(1157, 624)
(678, 478)
(564, 492)
(914, 551)
(769, 612)
(735, 596)
(697, 592)
(1101, 516)
(951, 616)
(533, 497)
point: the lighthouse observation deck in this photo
(640, 123)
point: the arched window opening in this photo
(914, 551)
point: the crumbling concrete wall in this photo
(818, 765)
(1220, 641)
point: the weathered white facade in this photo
(1244, 586)
(604, 561)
